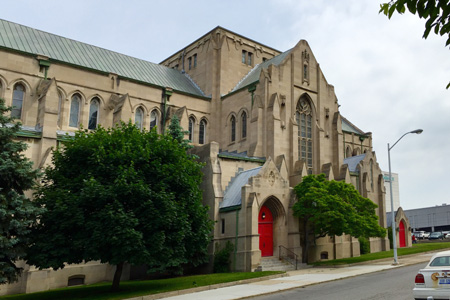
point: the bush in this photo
(364, 245)
(222, 258)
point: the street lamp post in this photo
(394, 237)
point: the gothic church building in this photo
(260, 119)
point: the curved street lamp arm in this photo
(417, 131)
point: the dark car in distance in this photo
(436, 236)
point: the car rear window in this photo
(440, 261)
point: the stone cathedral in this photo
(260, 119)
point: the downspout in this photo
(251, 89)
(345, 152)
(236, 208)
(362, 138)
(236, 239)
(44, 62)
(182, 61)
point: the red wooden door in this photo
(401, 234)
(265, 230)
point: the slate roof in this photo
(32, 41)
(353, 162)
(253, 75)
(232, 195)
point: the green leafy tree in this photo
(121, 195)
(177, 132)
(333, 208)
(17, 212)
(435, 12)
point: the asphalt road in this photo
(391, 284)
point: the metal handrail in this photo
(290, 254)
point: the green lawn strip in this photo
(416, 248)
(129, 289)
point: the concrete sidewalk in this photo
(290, 280)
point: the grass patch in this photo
(129, 289)
(416, 248)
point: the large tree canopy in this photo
(121, 195)
(17, 212)
(333, 208)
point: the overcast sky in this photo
(388, 79)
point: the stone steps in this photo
(274, 264)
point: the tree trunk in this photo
(117, 275)
(305, 250)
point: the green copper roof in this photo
(32, 41)
(253, 75)
(349, 127)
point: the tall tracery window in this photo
(60, 98)
(191, 129)
(1, 89)
(202, 132)
(304, 120)
(244, 125)
(153, 119)
(17, 103)
(139, 117)
(74, 110)
(93, 113)
(233, 128)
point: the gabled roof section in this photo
(35, 42)
(349, 127)
(253, 75)
(353, 162)
(232, 197)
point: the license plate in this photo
(444, 280)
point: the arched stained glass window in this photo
(304, 120)
(93, 113)
(244, 125)
(233, 128)
(191, 129)
(139, 118)
(153, 119)
(202, 132)
(74, 110)
(17, 103)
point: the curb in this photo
(206, 287)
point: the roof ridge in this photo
(18, 37)
(194, 83)
(245, 77)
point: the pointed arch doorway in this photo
(265, 230)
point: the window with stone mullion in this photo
(304, 121)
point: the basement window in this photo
(76, 280)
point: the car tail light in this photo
(419, 279)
